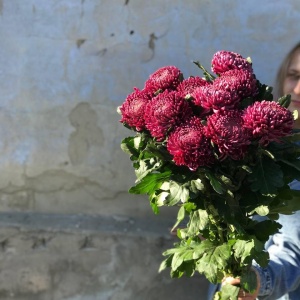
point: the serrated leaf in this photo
(202, 248)
(266, 177)
(150, 183)
(127, 145)
(145, 167)
(198, 221)
(161, 198)
(214, 260)
(176, 274)
(243, 249)
(177, 193)
(189, 206)
(229, 292)
(196, 185)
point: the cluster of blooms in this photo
(201, 120)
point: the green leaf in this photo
(295, 137)
(262, 210)
(265, 92)
(249, 281)
(229, 292)
(177, 193)
(127, 145)
(161, 198)
(145, 167)
(285, 101)
(266, 177)
(137, 141)
(180, 217)
(165, 264)
(213, 261)
(154, 207)
(262, 230)
(243, 249)
(150, 183)
(293, 163)
(262, 258)
(198, 221)
(196, 185)
(202, 248)
(177, 260)
(289, 205)
(189, 207)
(215, 183)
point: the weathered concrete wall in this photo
(64, 68)
(47, 257)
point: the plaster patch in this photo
(87, 133)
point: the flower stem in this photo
(215, 220)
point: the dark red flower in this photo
(268, 121)
(216, 98)
(227, 132)
(224, 61)
(243, 81)
(189, 145)
(201, 95)
(132, 109)
(164, 112)
(188, 86)
(164, 78)
(227, 91)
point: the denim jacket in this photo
(280, 280)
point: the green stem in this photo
(215, 220)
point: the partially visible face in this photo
(291, 84)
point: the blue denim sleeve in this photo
(282, 275)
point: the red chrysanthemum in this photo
(189, 145)
(132, 109)
(227, 91)
(164, 112)
(224, 61)
(268, 121)
(201, 94)
(188, 86)
(227, 132)
(216, 98)
(243, 81)
(165, 78)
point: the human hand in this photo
(243, 295)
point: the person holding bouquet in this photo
(281, 278)
(225, 152)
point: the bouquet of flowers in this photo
(220, 149)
